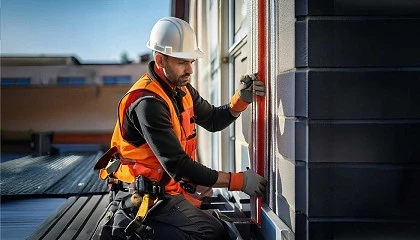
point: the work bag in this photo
(115, 219)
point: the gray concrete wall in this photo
(357, 101)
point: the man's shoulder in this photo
(141, 94)
(191, 89)
(146, 101)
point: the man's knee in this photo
(213, 229)
(179, 217)
(219, 230)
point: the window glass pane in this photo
(213, 28)
(241, 24)
(111, 80)
(215, 137)
(239, 14)
(15, 81)
(242, 129)
(71, 80)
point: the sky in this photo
(91, 30)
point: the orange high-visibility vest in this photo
(145, 162)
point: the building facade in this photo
(75, 101)
(337, 133)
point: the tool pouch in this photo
(135, 227)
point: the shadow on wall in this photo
(286, 144)
(284, 135)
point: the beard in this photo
(177, 80)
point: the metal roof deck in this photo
(75, 219)
(64, 174)
(43, 180)
(68, 175)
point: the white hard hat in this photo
(174, 37)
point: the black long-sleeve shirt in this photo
(148, 120)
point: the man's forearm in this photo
(222, 180)
(234, 113)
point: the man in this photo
(156, 136)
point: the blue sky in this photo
(91, 30)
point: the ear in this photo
(159, 60)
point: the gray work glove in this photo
(250, 84)
(254, 184)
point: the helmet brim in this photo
(188, 55)
(184, 55)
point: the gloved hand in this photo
(243, 97)
(249, 83)
(248, 182)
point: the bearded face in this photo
(177, 70)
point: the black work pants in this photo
(176, 219)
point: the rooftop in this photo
(42, 196)
(61, 197)
(62, 175)
(60, 60)
(38, 60)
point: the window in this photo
(15, 81)
(239, 11)
(112, 80)
(71, 80)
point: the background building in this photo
(76, 102)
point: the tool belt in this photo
(145, 193)
(111, 161)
